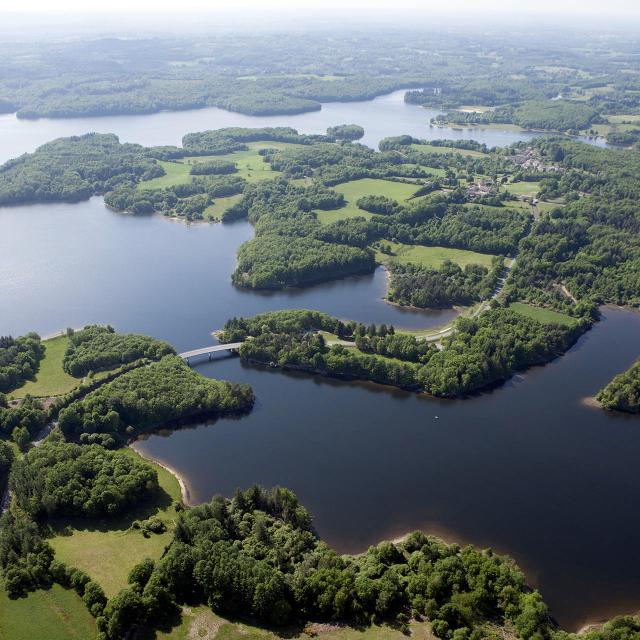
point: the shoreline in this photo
(184, 488)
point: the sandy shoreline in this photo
(184, 489)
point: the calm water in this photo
(528, 469)
(71, 264)
(385, 116)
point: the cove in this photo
(71, 264)
(528, 469)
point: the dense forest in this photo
(257, 555)
(554, 115)
(163, 392)
(419, 286)
(96, 348)
(273, 262)
(59, 478)
(22, 421)
(482, 351)
(623, 392)
(19, 360)
(590, 246)
(73, 169)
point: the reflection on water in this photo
(72, 264)
(527, 469)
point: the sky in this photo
(560, 7)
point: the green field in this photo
(176, 173)
(220, 205)
(546, 316)
(355, 189)
(51, 379)
(619, 119)
(429, 148)
(522, 188)
(431, 256)
(250, 165)
(54, 614)
(107, 549)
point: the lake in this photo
(386, 115)
(528, 469)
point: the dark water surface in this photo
(386, 115)
(71, 264)
(528, 469)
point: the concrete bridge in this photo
(209, 351)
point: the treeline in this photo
(482, 351)
(231, 139)
(346, 132)
(213, 167)
(274, 262)
(96, 348)
(425, 287)
(59, 478)
(257, 555)
(554, 115)
(73, 169)
(188, 200)
(623, 392)
(23, 421)
(163, 392)
(19, 360)
(590, 246)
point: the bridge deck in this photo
(214, 348)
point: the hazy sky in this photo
(578, 7)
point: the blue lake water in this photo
(528, 469)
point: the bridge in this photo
(214, 348)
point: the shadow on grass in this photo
(159, 500)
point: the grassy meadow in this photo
(356, 189)
(54, 614)
(546, 316)
(529, 189)
(51, 379)
(201, 622)
(430, 148)
(107, 549)
(431, 256)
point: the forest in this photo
(552, 115)
(482, 351)
(96, 348)
(19, 360)
(419, 286)
(60, 478)
(623, 392)
(164, 392)
(269, 73)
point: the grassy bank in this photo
(431, 256)
(356, 189)
(51, 379)
(54, 614)
(546, 316)
(107, 549)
